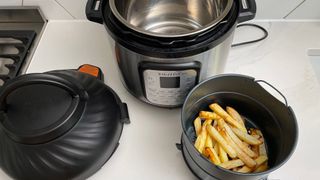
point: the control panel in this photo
(168, 87)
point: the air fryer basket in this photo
(259, 108)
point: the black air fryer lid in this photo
(38, 108)
(67, 118)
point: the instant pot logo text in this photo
(169, 74)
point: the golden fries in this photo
(224, 140)
(261, 168)
(216, 135)
(261, 159)
(244, 169)
(244, 157)
(209, 142)
(208, 115)
(213, 155)
(223, 155)
(237, 141)
(232, 164)
(235, 115)
(246, 137)
(201, 140)
(218, 109)
(197, 125)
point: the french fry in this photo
(223, 135)
(216, 147)
(256, 136)
(232, 164)
(260, 160)
(218, 109)
(262, 147)
(255, 149)
(244, 169)
(261, 168)
(208, 115)
(197, 125)
(223, 125)
(238, 142)
(207, 121)
(201, 140)
(262, 150)
(235, 115)
(243, 156)
(213, 156)
(216, 135)
(215, 124)
(223, 155)
(209, 142)
(246, 137)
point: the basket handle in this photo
(265, 82)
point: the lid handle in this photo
(91, 70)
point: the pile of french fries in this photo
(224, 139)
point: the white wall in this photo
(309, 10)
(267, 9)
(10, 2)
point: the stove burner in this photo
(14, 47)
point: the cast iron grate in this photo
(14, 48)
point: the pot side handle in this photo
(248, 9)
(93, 11)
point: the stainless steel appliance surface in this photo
(168, 81)
(164, 48)
(169, 18)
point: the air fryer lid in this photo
(58, 125)
(38, 108)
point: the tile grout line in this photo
(65, 9)
(300, 4)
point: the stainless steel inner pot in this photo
(170, 18)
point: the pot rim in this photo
(193, 32)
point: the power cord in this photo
(266, 34)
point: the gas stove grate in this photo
(14, 48)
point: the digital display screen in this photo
(169, 82)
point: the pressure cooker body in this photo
(161, 67)
(165, 82)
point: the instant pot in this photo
(165, 47)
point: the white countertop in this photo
(147, 146)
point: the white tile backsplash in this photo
(309, 10)
(50, 8)
(275, 9)
(266, 9)
(10, 2)
(75, 7)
